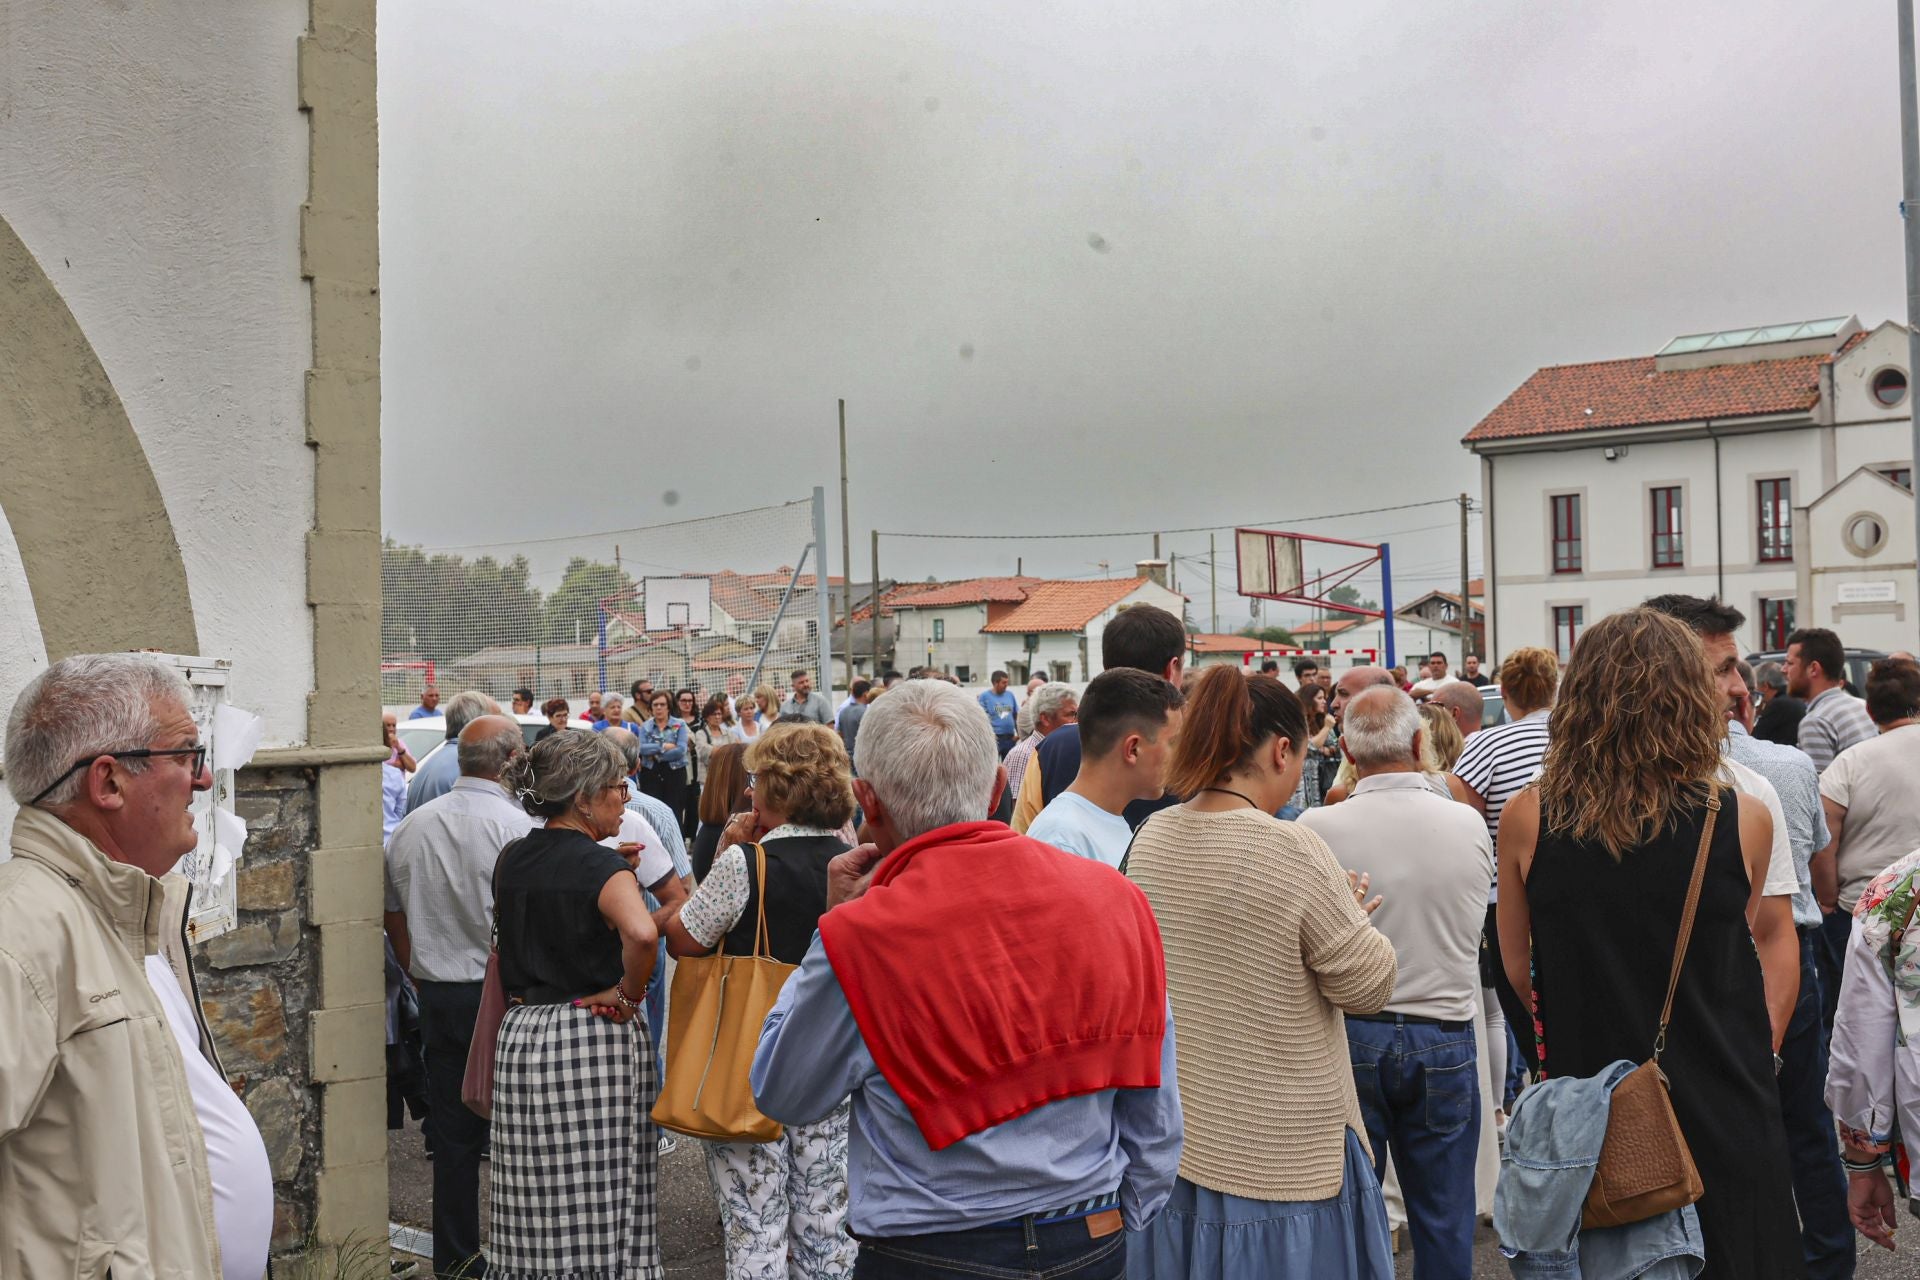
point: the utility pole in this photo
(1213, 583)
(873, 602)
(1910, 215)
(1156, 546)
(1466, 602)
(846, 555)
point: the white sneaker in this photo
(668, 1144)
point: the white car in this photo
(428, 734)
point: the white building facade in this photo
(1729, 465)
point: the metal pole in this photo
(1213, 583)
(873, 602)
(1386, 601)
(779, 616)
(846, 550)
(1909, 207)
(1466, 604)
(822, 592)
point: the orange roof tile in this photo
(1063, 606)
(967, 591)
(1205, 642)
(1632, 393)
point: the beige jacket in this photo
(102, 1162)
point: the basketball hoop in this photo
(1270, 565)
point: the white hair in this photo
(1048, 699)
(1379, 728)
(465, 707)
(929, 755)
(82, 707)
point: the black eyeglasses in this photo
(198, 753)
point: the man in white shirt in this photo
(1871, 791)
(1128, 722)
(439, 914)
(1414, 1061)
(1436, 675)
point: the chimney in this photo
(1155, 569)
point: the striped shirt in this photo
(1499, 763)
(1835, 720)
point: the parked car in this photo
(1495, 706)
(428, 734)
(1858, 662)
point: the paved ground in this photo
(690, 1236)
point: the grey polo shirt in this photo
(440, 873)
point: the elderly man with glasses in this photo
(127, 1150)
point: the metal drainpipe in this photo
(1719, 525)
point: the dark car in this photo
(1858, 661)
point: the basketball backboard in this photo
(678, 604)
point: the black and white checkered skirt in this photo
(574, 1148)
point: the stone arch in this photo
(94, 535)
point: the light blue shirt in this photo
(1074, 824)
(435, 776)
(1792, 774)
(812, 1057)
(663, 747)
(1002, 710)
(420, 713)
(393, 798)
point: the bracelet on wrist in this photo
(627, 1002)
(1864, 1166)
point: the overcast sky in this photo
(1079, 266)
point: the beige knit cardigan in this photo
(1264, 947)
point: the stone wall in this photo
(258, 985)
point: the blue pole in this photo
(1386, 600)
(603, 648)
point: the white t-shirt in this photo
(1427, 685)
(655, 864)
(1783, 881)
(237, 1160)
(1878, 782)
(1075, 824)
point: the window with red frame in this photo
(1776, 520)
(1902, 476)
(1776, 622)
(1566, 533)
(1568, 619)
(1669, 551)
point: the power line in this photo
(612, 533)
(1148, 533)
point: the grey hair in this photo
(1048, 699)
(1769, 675)
(1746, 675)
(928, 753)
(484, 756)
(1379, 728)
(82, 707)
(561, 768)
(629, 744)
(466, 707)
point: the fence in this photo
(567, 616)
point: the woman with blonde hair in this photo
(1596, 863)
(1442, 743)
(1266, 943)
(783, 1204)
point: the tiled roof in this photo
(967, 591)
(1204, 642)
(1327, 627)
(1063, 606)
(1633, 393)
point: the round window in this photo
(1890, 386)
(1865, 534)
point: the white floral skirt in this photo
(783, 1204)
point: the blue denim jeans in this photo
(1420, 1097)
(1056, 1251)
(1819, 1184)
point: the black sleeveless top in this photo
(796, 895)
(1603, 942)
(554, 943)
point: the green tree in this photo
(1279, 637)
(1346, 593)
(444, 607)
(577, 599)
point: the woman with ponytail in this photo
(1267, 940)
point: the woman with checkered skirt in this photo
(573, 1087)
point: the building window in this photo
(1669, 552)
(1568, 619)
(1864, 534)
(1776, 622)
(1566, 533)
(963, 674)
(1890, 386)
(1902, 476)
(939, 630)
(1776, 520)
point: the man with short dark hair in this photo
(1128, 721)
(1472, 673)
(805, 702)
(1305, 672)
(1145, 638)
(1435, 668)
(1269, 667)
(1816, 669)
(1003, 712)
(641, 691)
(1779, 712)
(523, 702)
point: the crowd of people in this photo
(1177, 975)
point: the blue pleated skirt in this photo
(1207, 1235)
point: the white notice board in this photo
(209, 872)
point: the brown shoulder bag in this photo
(1645, 1166)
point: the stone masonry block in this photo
(352, 964)
(353, 1122)
(248, 1020)
(350, 1203)
(346, 493)
(265, 886)
(348, 1043)
(350, 804)
(345, 884)
(266, 941)
(337, 64)
(277, 1107)
(342, 565)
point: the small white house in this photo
(1023, 626)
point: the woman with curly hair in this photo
(783, 1204)
(1595, 864)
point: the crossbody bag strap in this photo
(761, 947)
(1686, 923)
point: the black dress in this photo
(1603, 938)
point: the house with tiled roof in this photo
(1693, 470)
(1020, 625)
